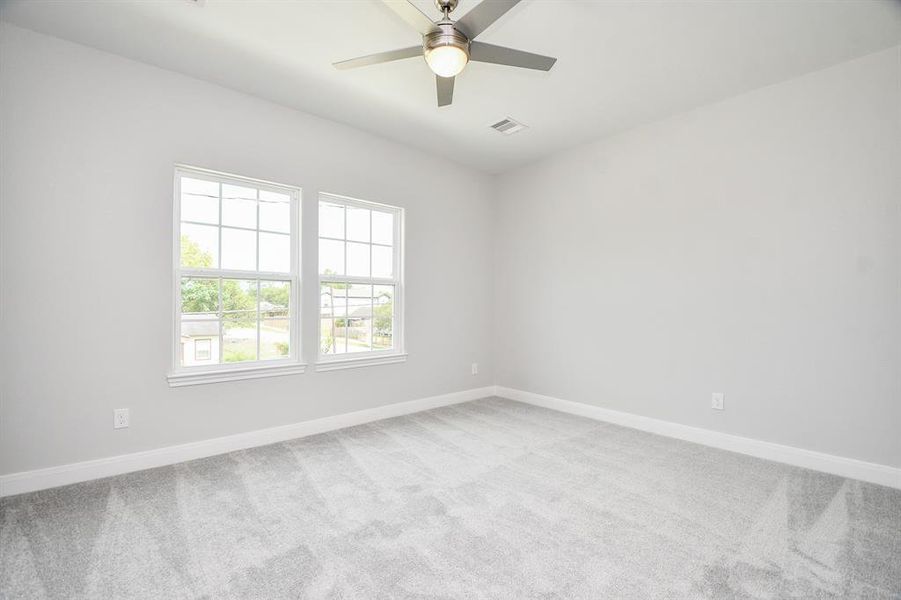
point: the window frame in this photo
(209, 349)
(181, 375)
(347, 360)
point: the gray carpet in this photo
(490, 499)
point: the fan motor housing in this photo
(445, 36)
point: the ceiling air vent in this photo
(508, 126)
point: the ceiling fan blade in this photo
(482, 16)
(380, 57)
(445, 90)
(412, 15)
(500, 55)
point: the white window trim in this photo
(200, 374)
(333, 362)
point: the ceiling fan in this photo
(448, 46)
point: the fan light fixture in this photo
(446, 61)
(446, 51)
(449, 45)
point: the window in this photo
(236, 278)
(360, 283)
(202, 349)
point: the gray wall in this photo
(751, 247)
(88, 145)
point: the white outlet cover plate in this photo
(120, 418)
(718, 401)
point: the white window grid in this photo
(396, 280)
(220, 274)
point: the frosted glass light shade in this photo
(446, 61)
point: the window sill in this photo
(220, 375)
(334, 364)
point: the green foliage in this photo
(327, 340)
(240, 320)
(192, 256)
(199, 295)
(381, 321)
(277, 294)
(202, 295)
(237, 356)
(333, 285)
(237, 295)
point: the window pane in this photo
(358, 259)
(199, 187)
(275, 295)
(199, 246)
(239, 212)
(202, 349)
(333, 299)
(199, 200)
(193, 329)
(331, 257)
(333, 336)
(239, 294)
(199, 295)
(359, 301)
(383, 317)
(238, 192)
(275, 212)
(382, 261)
(239, 337)
(239, 206)
(275, 252)
(341, 336)
(275, 337)
(239, 249)
(331, 220)
(382, 228)
(359, 338)
(357, 224)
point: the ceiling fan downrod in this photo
(446, 7)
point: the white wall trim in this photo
(359, 361)
(30, 481)
(220, 375)
(809, 459)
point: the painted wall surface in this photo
(751, 247)
(88, 145)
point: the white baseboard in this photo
(30, 481)
(818, 461)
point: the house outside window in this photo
(202, 349)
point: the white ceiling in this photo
(621, 63)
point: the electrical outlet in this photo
(718, 401)
(120, 418)
(475, 368)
